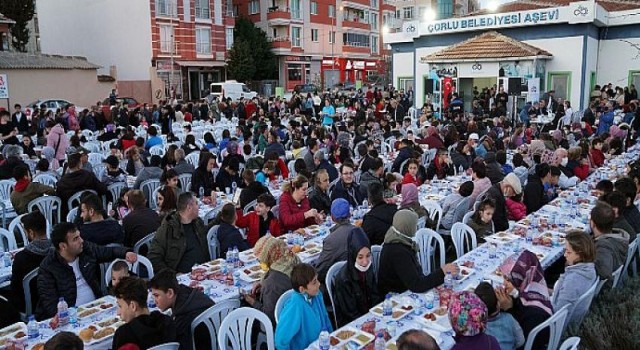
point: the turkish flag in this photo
(447, 90)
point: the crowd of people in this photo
(369, 149)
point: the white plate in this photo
(247, 256)
(254, 276)
(464, 273)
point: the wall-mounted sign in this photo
(478, 69)
(4, 86)
(411, 29)
(582, 12)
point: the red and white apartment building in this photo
(324, 42)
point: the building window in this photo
(332, 37)
(294, 72)
(445, 8)
(296, 38)
(254, 7)
(357, 40)
(229, 38)
(634, 78)
(314, 35)
(202, 9)
(166, 38)
(374, 44)
(374, 21)
(203, 40)
(295, 9)
(398, 15)
(374, 4)
(561, 83)
(332, 11)
(314, 8)
(408, 12)
(167, 8)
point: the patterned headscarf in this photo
(409, 194)
(275, 254)
(527, 276)
(468, 314)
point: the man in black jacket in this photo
(95, 228)
(377, 221)
(534, 196)
(71, 271)
(185, 303)
(321, 162)
(77, 179)
(19, 119)
(141, 221)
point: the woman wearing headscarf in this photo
(399, 268)
(410, 201)
(560, 159)
(277, 260)
(526, 295)
(355, 289)
(468, 317)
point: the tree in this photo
(260, 49)
(21, 11)
(241, 64)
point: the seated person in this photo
(319, 196)
(252, 188)
(278, 260)
(500, 325)
(228, 175)
(119, 270)
(203, 175)
(304, 316)
(516, 210)
(143, 328)
(347, 187)
(603, 187)
(25, 190)
(481, 221)
(334, 246)
(79, 284)
(468, 315)
(612, 245)
(228, 234)
(415, 339)
(185, 303)
(260, 221)
(295, 211)
(113, 173)
(378, 219)
(267, 173)
(451, 202)
(441, 166)
(140, 221)
(95, 228)
(64, 341)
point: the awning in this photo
(201, 63)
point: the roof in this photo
(487, 45)
(19, 60)
(526, 5)
(4, 19)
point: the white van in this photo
(231, 89)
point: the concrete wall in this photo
(616, 58)
(78, 86)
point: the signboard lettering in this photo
(492, 21)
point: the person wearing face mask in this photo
(355, 290)
(277, 260)
(560, 159)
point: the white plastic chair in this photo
(26, 285)
(99, 169)
(616, 277)
(429, 242)
(331, 275)
(6, 187)
(463, 236)
(212, 239)
(276, 210)
(570, 344)
(49, 206)
(95, 158)
(10, 238)
(14, 225)
(192, 158)
(73, 213)
(575, 320)
(281, 302)
(212, 318)
(236, 329)
(467, 217)
(75, 198)
(249, 207)
(166, 346)
(157, 150)
(144, 242)
(291, 167)
(601, 284)
(422, 222)
(435, 211)
(185, 182)
(148, 188)
(555, 323)
(631, 255)
(115, 189)
(375, 258)
(46, 179)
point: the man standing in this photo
(19, 119)
(181, 239)
(71, 271)
(95, 228)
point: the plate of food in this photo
(349, 337)
(464, 273)
(103, 304)
(17, 331)
(252, 274)
(502, 237)
(247, 256)
(93, 334)
(436, 319)
(310, 250)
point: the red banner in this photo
(447, 90)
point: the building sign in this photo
(478, 69)
(533, 90)
(582, 12)
(358, 64)
(4, 86)
(504, 20)
(411, 29)
(299, 59)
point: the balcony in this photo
(278, 16)
(355, 47)
(355, 22)
(280, 44)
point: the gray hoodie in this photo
(574, 282)
(611, 252)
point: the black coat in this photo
(190, 303)
(494, 172)
(377, 221)
(331, 170)
(251, 193)
(56, 278)
(404, 154)
(203, 178)
(350, 298)
(534, 197)
(500, 218)
(71, 183)
(229, 236)
(139, 223)
(145, 331)
(225, 180)
(352, 193)
(400, 270)
(320, 201)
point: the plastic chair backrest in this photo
(116, 189)
(212, 318)
(192, 158)
(26, 285)
(143, 262)
(331, 275)
(6, 187)
(185, 182)
(616, 277)
(157, 150)
(463, 237)
(75, 198)
(601, 284)
(166, 346)
(375, 258)
(49, 206)
(281, 302)
(429, 242)
(144, 242)
(555, 323)
(276, 211)
(631, 254)
(574, 320)
(15, 225)
(236, 329)
(95, 158)
(148, 187)
(570, 344)
(467, 217)
(435, 211)
(461, 211)
(212, 239)
(291, 167)
(71, 215)
(107, 274)
(10, 238)
(46, 179)
(422, 222)
(249, 207)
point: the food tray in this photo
(10, 333)
(501, 237)
(397, 313)
(310, 250)
(247, 256)
(251, 274)
(97, 306)
(464, 273)
(436, 319)
(103, 330)
(343, 336)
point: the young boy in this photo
(304, 316)
(186, 304)
(596, 154)
(261, 220)
(501, 325)
(228, 234)
(267, 173)
(143, 328)
(603, 188)
(119, 270)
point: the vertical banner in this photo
(447, 91)
(533, 90)
(4, 86)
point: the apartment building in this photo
(324, 42)
(5, 38)
(409, 10)
(154, 49)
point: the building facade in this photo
(534, 47)
(155, 49)
(5, 38)
(323, 42)
(410, 10)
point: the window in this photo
(295, 9)
(294, 72)
(168, 8)
(445, 9)
(229, 37)
(358, 40)
(561, 83)
(374, 44)
(374, 21)
(296, 38)
(398, 14)
(254, 7)
(332, 37)
(203, 40)
(332, 11)
(314, 35)
(166, 38)
(408, 12)
(374, 4)
(202, 9)
(314, 8)
(405, 83)
(634, 78)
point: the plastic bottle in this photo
(236, 257)
(230, 256)
(32, 328)
(448, 281)
(63, 313)
(380, 344)
(387, 307)
(323, 341)
(201, 192)
(151, 302)
(73, 316)
(6, 258)
(234, 185)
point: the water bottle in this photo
(234, 185)
(230, 256)
(73, 316)
(448, 281)
(6, 258)
(151, 302)
(201, 192)
(32, 328)
(236, 278)
(324, 342)
(380, 344)
(387, 307)
(63, 313)
(236, 257)
(460, 170)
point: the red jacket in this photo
(516, 210)
(597, 157)
(251, 222)
(408, 179)
(581, 171)
(292, 213)
(284, 170)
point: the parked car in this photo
(52, 104)
(301, 89)
(131, 103)
(231, 89)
